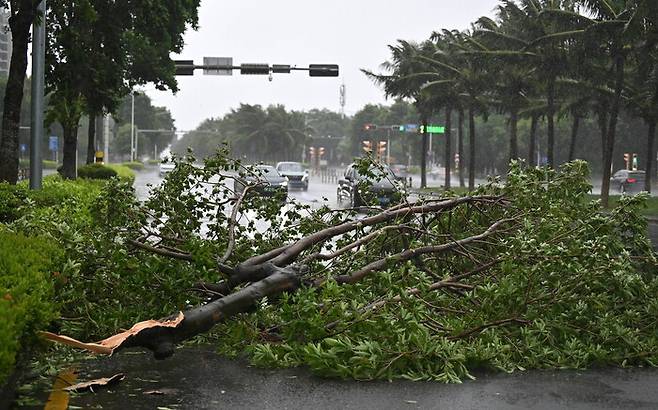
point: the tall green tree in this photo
(99, 50)
(22, 15)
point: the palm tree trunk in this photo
(423, 153)
(19, 23)
(91, 140)
(461, 148)
(612, 129)
(513, 139)
(448, 152)
(574, 137)
(471, 148)
(651, 154)
(533, 141)
(550, 149)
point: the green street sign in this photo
(433, 129)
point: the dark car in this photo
(296, 174)
(379, 187)
(266, 180)
(627, 181)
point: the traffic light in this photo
(323, 70)
(634, 162)
(367, 146)
(184, 67)
(627, 160)
(370, 127)
(311, 152)
(381, 148)
(262, 69)
(320, 152)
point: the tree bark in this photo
(448, 152)
(612, 129)
(69, 159)
(471, 148)
(651, 155)
(20, 23)
(533, 141)
(460, 148)
(423, 154)
(574, 137)
(550, 149)
(91, 140)
(513, 139)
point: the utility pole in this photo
(133, 145)
(38, 70)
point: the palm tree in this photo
(404, 78)
(459, 80)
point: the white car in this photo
(295, 173)
(166, 167)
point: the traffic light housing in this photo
(323, 70)
(255, 69)
(184, 67)
(369, 127)
(320, 152)
(311, 151)
(381, 148)
(367, 146)
(627, 160)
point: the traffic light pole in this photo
(38, 70)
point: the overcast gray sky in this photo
(353, 34)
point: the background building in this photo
(5, 42)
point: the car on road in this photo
(266, 180)
(379, 186)
(296, 174)
(166, 167)
(626, 181)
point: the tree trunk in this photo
(471, 148)
(11, 117)
(612, 129)
(70, 160)
(651, 155)
(574, 137)
(533, 141)
(460, 148)
(550, 149)
(448, 152)
(91, 141)
(513, 140)
(423, 154)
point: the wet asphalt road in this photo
(197, 378)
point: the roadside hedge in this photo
(96, 171)
(134, 165)
(27, 302)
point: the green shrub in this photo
(135, 165)
(96, 171)
(27, 303)
(123, 172)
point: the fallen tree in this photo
(529, 274)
